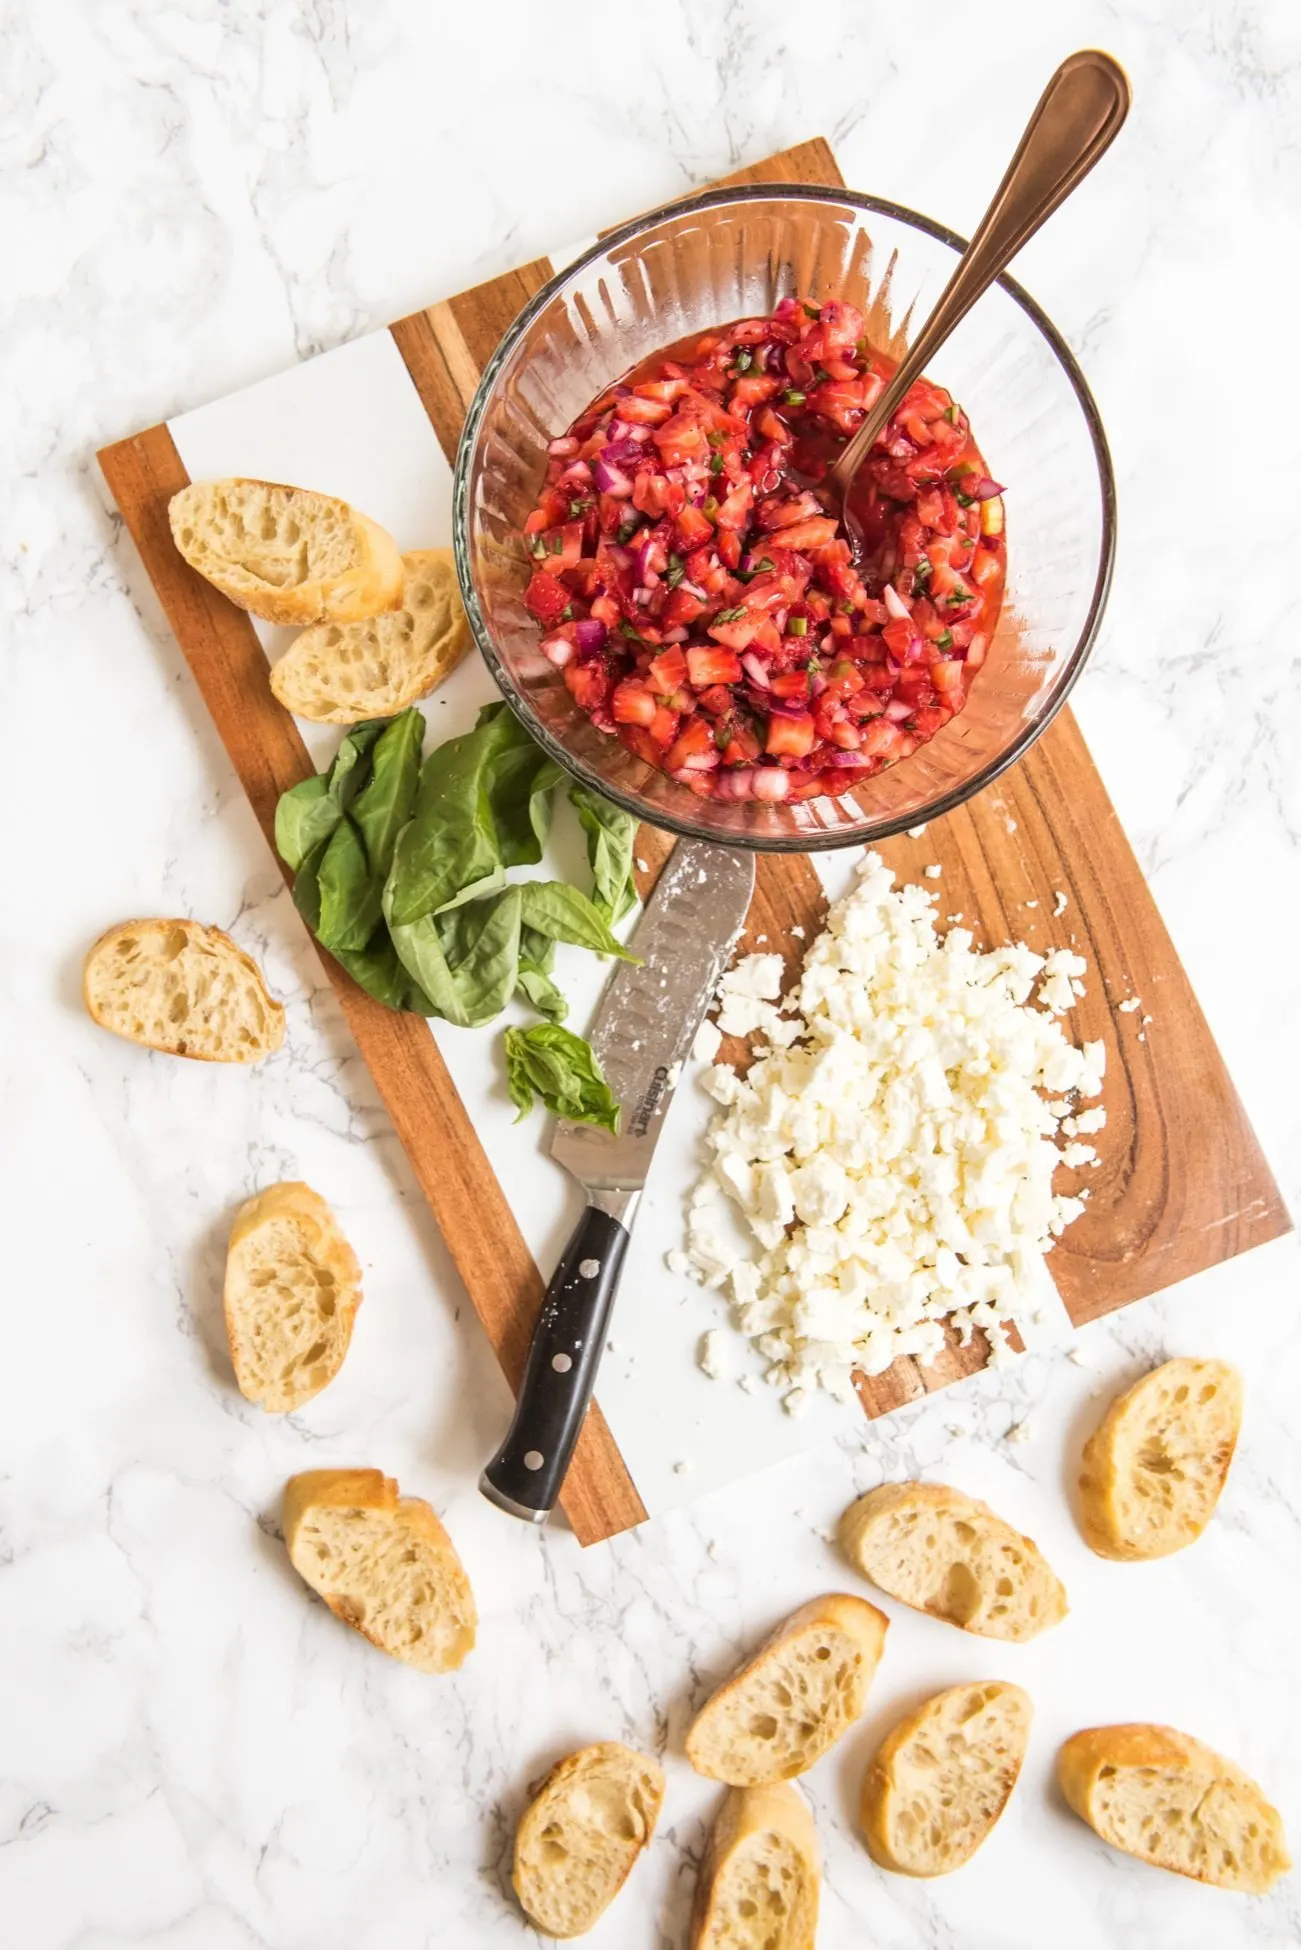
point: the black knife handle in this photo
(525, 1475)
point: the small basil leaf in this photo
(552, 1063)
(561, 912)
(307, 887)
(387, 800)
(466, 961)
(611, 833)
(306, 815)
(350, 894)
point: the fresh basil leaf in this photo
(611, 833)
(350, 893)
(450, 843)
(552, 1063)
(378, 970)
(387, 800)
(521, 783)
(348, 773)
(537, 955)
(307, 887)
(539, 990)
(305, 816)
(467, 960)
(561, 912)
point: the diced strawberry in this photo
(681, 607)
(662, 391)
(633, 703)
(655, 494)
(706, 666)
(692, 528)
(737, 632)
(644, 412)
(694, 748)
(791, 683)
(899, 635)
(734, 512)
(882, 739)
(681, 439)
(790, 737)
(742, 747)
(546, 598)
(752, 390)
(716, 699)
(664, 727)
(668, 671)
(804, 535)
(589, 684)
(729, 550)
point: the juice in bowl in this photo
(696, 587)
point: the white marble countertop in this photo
(195, 1755)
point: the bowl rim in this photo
(804, 842)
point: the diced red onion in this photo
(898, 709)
(843, 760)
(735, 783)
(755, 669)
(895, 603)
(701, 762)
(557, 650)
(771, 783)
(619, 555)
(679, 635)
(693, 589)
(817, 683)
(641, 562)
(982, 490)
(620, 454)
(610, 480)
(591, 634)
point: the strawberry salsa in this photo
(702, 604)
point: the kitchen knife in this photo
(646, 1023)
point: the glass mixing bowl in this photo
(731, 254)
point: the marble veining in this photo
(195, 1754)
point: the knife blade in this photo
(646, 1023)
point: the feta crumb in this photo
(798, 932)
(1128, 1007)
(1011, 826)
(681, 1468)
(1075, 1155)
(915, 832)
(642, 867)
(709, 1040)
(677, 1262)
(796, 1402)
(955, 917)
(713, 1357)
(1087, 1121)
(892, 1153)
(1146, 1020)
(1060, 905)
(1079, 1357)
(760, 939)
(1019, 1432)
(933, 872)
(955, 1429)
(749, 1384)
(673, 1075)
(1142, 1036)
(1030, 903)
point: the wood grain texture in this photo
(262, 740)
(1182, 1183)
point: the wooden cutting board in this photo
(1182, 1182)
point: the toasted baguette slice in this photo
(1154, 1468)
(383, 1563)
(792, 1700)
(182, 988)
(758, 1886)
(942, 1777)
(340, 673)
(1166, 1798)
(947, 1554)
(285, 553)
(581, 1834)
(293, 1287)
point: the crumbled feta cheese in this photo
(1030, 903)
(673, 1075)
(1079, 1357)
(1130, 1004)
(681, 1468)
(1075, 1155)
(642, 867)
(713, 1357)
(1019, 1432)
(677, 1262)
(1011, 826)
(798, 933)
(932, 872)
(797, 1402)
(756, 975)
(1087, 1121)
(892, 1156)
(1060, 905)
(915, 832)
(709, 1040)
